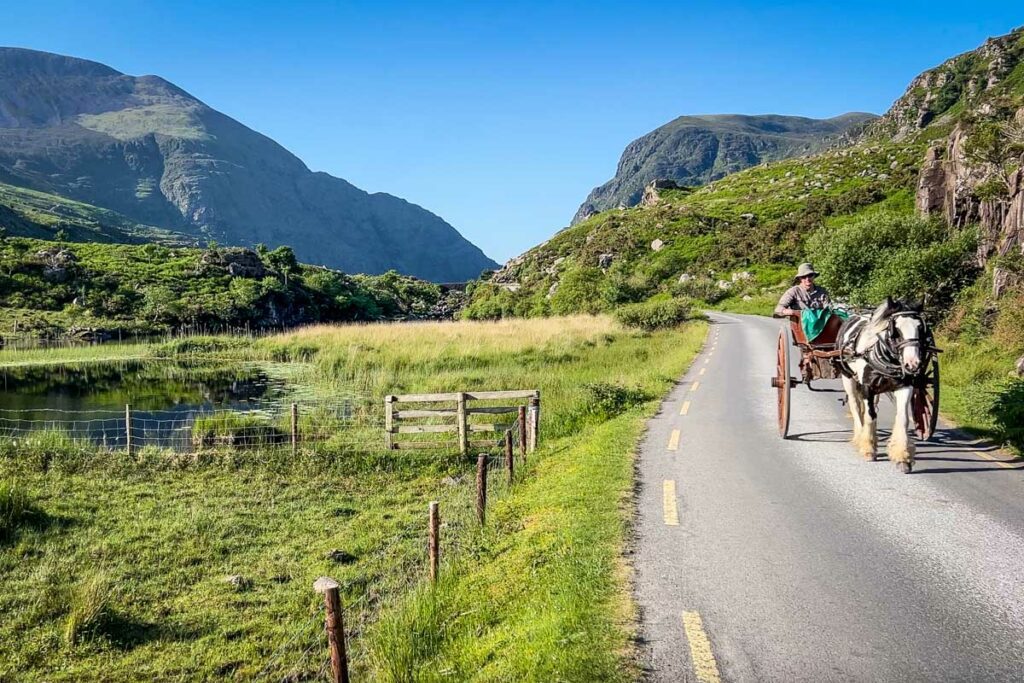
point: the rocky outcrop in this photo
(652, 195)
(947, 187)
(694, 150)
(963, 79)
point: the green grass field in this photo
(119, 570)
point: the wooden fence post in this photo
(130, 447)
(481, 487)
(463, 426)
(295, 428)
(509, 459)
(433, 540)
(534, 423)
(389, 422)
(335, 628)
(522, 430)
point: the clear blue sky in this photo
(501, 116)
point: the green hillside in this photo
(28, 213)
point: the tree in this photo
(283, 261)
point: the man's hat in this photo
(804, 270)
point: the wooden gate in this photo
(461, 415)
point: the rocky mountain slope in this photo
(694, 150)
(951, 146)
(148, 150)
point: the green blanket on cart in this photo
(813, 320)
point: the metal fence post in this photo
(481, 487)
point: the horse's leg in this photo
(901, 448)
(854, 401)
(869, 435)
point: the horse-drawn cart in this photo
(819, 359)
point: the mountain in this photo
(695, 150)
(146, 149)
(952, 147)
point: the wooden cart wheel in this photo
(925, 402)
(781, 381)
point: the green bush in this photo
(610, 399)
(654, 315)
(889, 254)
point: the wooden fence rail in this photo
(455, 418)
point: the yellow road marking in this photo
(1001, 463)
(669, 502)
(685, 409)
(704, 665)
(673, 440)
(702, 371)
(693, 387)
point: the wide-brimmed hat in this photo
(804, 270)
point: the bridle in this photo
(885, 356)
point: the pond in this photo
(87, 400)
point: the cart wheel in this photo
(781, 381)
(925, 402)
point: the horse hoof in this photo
(905, 467)
(869, 457)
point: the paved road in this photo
(759, 559)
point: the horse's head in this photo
(902, 326)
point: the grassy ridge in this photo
(122, 572)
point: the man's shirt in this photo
(797, 298)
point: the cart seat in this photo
(828, 336)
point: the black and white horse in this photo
(884, 353)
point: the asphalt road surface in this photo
(759, 559)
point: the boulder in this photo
(685, 277)
(724, 284)
(742, 275)
(341, 556)
(657, 245)
(604, 261)
(238, 582)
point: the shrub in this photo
(654, 315)
(701, 289)
(890, 254)
(579, 291)
(610, 399)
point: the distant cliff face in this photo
(147, 149)
(694, 150)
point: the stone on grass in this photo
(239, 582)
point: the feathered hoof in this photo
(869, 457)
(905, 467)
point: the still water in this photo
(87, 400)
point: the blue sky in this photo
(501, 116)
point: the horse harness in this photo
(885, 371)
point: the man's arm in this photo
(785, 305)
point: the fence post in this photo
(534, 422)
(509, 460)
(463, 427)
(433, 541)
(335, 628)
(128, 430)
(522, 430)
(481, 487)
(295, 428)
(389, 422)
